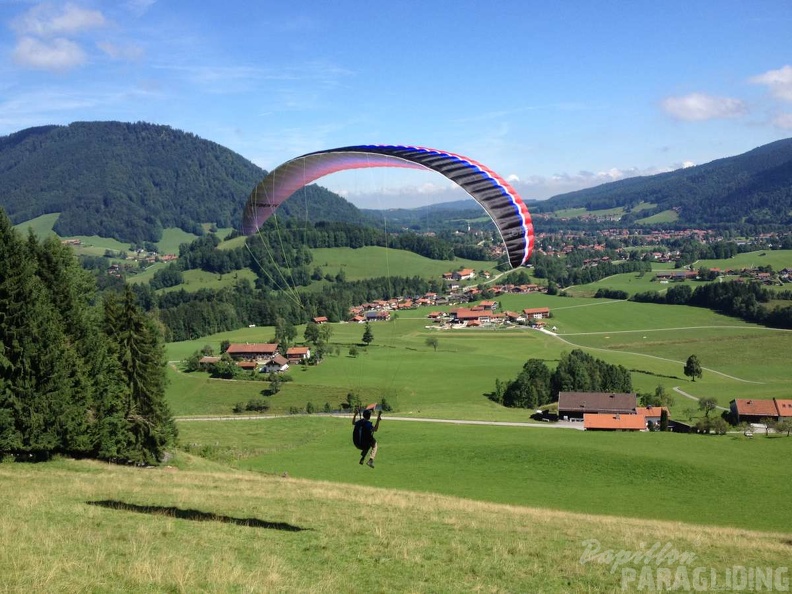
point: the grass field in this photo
(281, 505)
(695, 479)
(371, 261)
(194, 526)
(740, 360)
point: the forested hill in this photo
(131, 180)
(752, 188)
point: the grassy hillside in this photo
(652, 340)
(196, 527)
(696, 479)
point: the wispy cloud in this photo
(51, 54)
(46, 36)
(47, 20)
(128, 52)
(779, 82)
(139, 7)
(783, 121)
(698, 107)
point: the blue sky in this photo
(554, 96)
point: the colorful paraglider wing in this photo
(503, 204)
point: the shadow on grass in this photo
(195, 515)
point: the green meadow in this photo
(374, 261)
(280, 503)
(196, 526)
(687, 478)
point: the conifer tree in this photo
(36, 379)
(139, 350)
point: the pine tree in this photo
(140, 352)
(36, 370)
(368, 335)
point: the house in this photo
(651, 413)
(464, 315)
(208, 361)
(297, 354)
(278, 364)
(490, 305)
(320, 320)
(377, 316)
(753, 410)
(252, 351)
(617, 422)
(573, 405)
(537, 313)
(784, 407)
(464, 274)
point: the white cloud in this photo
(47, 20)
(140, 7)
(120, 52)
(698, 107)
(55, 54)
(783, 121)
(778, 81)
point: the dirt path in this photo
(681, 363)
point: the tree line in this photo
(749, 301)
(80, 375)
(577, 371)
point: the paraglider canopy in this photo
(503, 204)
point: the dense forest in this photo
(129, 181)
(79, 375)
(754, 188)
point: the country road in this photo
(556, 425)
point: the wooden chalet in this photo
(252, 351)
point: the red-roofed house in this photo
(320, 320)
(753, 410)
(784, 407)
(573, 405)
(537, 313)
(298, 353)
(252, 351)
(652, 413)
(464, 315)
(617, 422)
(464, 274)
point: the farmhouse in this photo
(252, 351)
(651, 413)
(277, 364)
(320, 320)
(617, 422)
(298, 353)
(467, 316)
(573, 405)
(464, 274)
(208, 361)
(755, 410)
(537, 313)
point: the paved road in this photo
(558, 425)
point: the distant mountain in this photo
(752, 188)
(131, 180)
